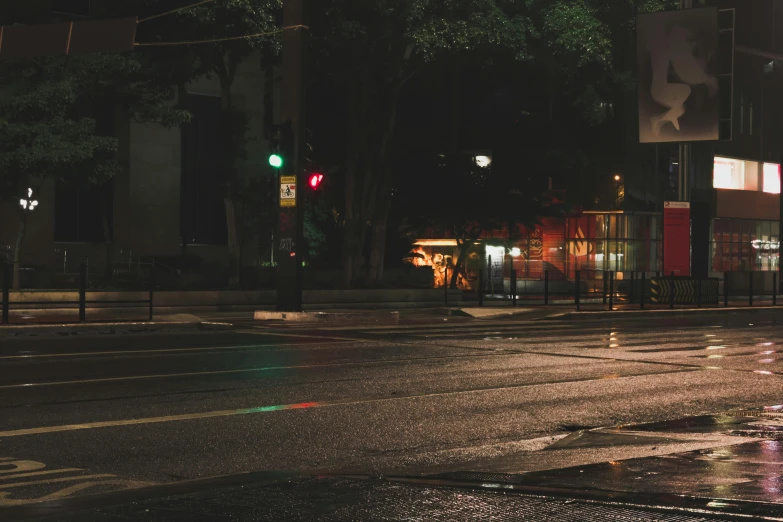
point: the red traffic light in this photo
(315, 180)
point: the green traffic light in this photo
(276, 160)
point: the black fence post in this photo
(481, 288)
(725, 289)
(489, 274)
(671, 292)
(578, 288)
(152, 288)
(446, 285)
(546, 287)
(633, 283)
(750, 288)
(605, 283)
(698, 293)
(82, 292)
(774, 288)
(7, 274)
(641, 292)
(513, 285)
(611, 290)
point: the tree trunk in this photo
(18, 249)
(355, 233)
(107, 239)
(234, 252)
(378, 246)
(459, 266)
(234, 255)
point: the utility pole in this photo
(290, 230)
(684, 149)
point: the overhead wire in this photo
(217, 40)
(166, 13)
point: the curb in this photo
(675, 313)
(70, 330)
(328, 317)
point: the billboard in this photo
(677, 76)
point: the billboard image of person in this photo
(677, 78)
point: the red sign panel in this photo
(677, 238)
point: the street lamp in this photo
(29, 203)
(617, 192)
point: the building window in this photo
(737, 174)
(771, 178)
(728, 173)
(203, 212)
(84, 213)
(598, 243)
(741, 245)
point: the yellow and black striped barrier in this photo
(686, 290)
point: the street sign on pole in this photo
(677, 238)
(287, 191)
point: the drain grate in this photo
(475, 476)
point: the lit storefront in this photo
(594, 243)
(745, 229)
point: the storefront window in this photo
(614, 242)
(744, 245)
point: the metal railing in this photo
(7, 305)
(636, 289)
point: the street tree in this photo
(371, 49)
(256, 21)
(480, 200)
(43, 135)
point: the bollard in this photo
(611, 290)
(577, 289)
(671, 292)
(152, 287)
(633, 282)
(750, 288)
(513, 288)
(82, 292)
(641, 297)
(481, 288)
(7, 274)
(725, 289)
(546, 287)
(774, 288)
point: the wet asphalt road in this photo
(83, 415)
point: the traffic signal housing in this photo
(281, 145)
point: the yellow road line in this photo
(37, 473)
(52, 481)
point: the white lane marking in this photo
(297, 406)
(248, 370)
(37, 473)
(167, 350)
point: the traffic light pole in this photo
(290, 236)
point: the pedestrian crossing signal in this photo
(315, 181)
